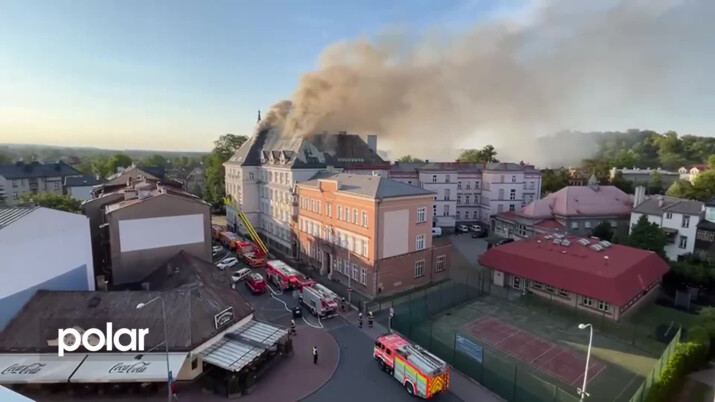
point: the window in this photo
(328, 211)
(355, 216)
(14, 195)
(434, 178)
(440, 266)
(587, 301)
(317, 204)
(466, 199)
(312, 205)
(459, 185)
(563, 292)
(364, 218)
(466, 215)
(446, 194)
(574, 225)
(537, 285)
(669, 215)
(686, 221)
(602, 305)
(445, 210)
(447, 178)
(194, 363)
(512, 207)
(459, 199)
(250, 176)
(363, 276)
(340, 265)
(355, 272)
(419, 268)
(476, 184)
(468, 188)
(459, 215)
(513, 179)
(347, 214)
(340, 212)
(521, 230)
(587, 224)
(512, 194)
(516, 282)
(683, 242)
(14, 183)
(364, 248)
(476, 199)
(549, 288)
(421, 215)
(420, 242)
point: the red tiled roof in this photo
(550, 224)
(577, 268)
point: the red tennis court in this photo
(558, 361)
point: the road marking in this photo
(273, 295)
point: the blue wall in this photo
(75, 279)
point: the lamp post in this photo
(582, 391)
(166, 341)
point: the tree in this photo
(655, 184)
(485, 155)
(155, 160)
(225, 146)
(704, 185)
(5, 159)
(117, 161)
(409, 158)
(101, 166)
(626, 158)
(648, 236)
(598, 167)
(553, 180)
(603, 231)
(681, 189)
(619, 181)
(55, 201)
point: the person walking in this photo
(342, 304)
(292, 327)
(173, 391)
(370, 318)
(360, 320)
(315, 355)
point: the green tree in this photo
(101, 167)
(553, 180)
(54, 201)
(225, 146)
(603, 231)
(655, 184)
(624, 185)
(5, 159)
(155, 160)
(117, 161)
(485, 155)
(648, 236)
(704, 185)
(599, 167)
(681, 189)
(626, 158)
(409, 158)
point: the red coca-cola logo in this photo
(123, 368)
(24, 369)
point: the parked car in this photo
(255, 283)
(217, 248)
(499, 242)
(462, 228)
(436, 232)
(240, 275)
(475, 228)
(227, 263)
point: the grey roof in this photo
(375, 187)
(267, 143)
(9, 215)
(82, 181)
(406, 167)
(706, 224)
(710, 203)
(239, 348)
(409, 167)
(192, 292)
(20, 170)
(670, 204)
(344, 149)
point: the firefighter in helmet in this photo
(342, 303)
(360, 319)
(370, 318)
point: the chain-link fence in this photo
(654, 375)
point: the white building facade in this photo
(42, 248)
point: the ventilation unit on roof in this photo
(559, 236)
(584, 242)
(605, 244)
(596, 247)
(548, 237)
(565, 242)
(557, 241)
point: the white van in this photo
(436, 231)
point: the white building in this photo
(41, 248)
(80, 187)
(471, 192)
(19, 179)
(261, 177)
(677, 217)
(690, 172)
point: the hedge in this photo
(687, 357)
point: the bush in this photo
(687, 357)
(699, 335)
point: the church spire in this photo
(259, 116)
(593, 182)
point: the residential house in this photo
(677, 217)
(134, 174)
(195, 181)
(369, 232)
(19, 179)
(41, 248)
(705, 235)
(80, 187)
(690, 172)
(574, 210)
(598, 277)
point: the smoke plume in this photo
(506, 81)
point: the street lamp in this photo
(166, 341)
(582, 391)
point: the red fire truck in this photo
(229, 239)
(253, 255)
(321, 301)
(216, 231)
(286, 277)
(419, 371)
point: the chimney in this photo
(639, 196)
(372, 142)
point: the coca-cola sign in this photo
(129, 368)
(23, 369)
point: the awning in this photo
(128, 367)
(37, 368)
(239, 348)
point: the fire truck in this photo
(321, 301)
(419, 371)
(216, 231)
(229, 239)
(286, 277)
(253, 256)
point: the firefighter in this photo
(342, 304)
(369, 319)
(292, 327)
(315, 355)
(360, 319)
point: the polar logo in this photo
(94, 340)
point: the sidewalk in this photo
(460, 385)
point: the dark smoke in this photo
(562, 65)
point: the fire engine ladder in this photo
(247, 224)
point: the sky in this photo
(175, 75)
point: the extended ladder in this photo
(247, 224)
